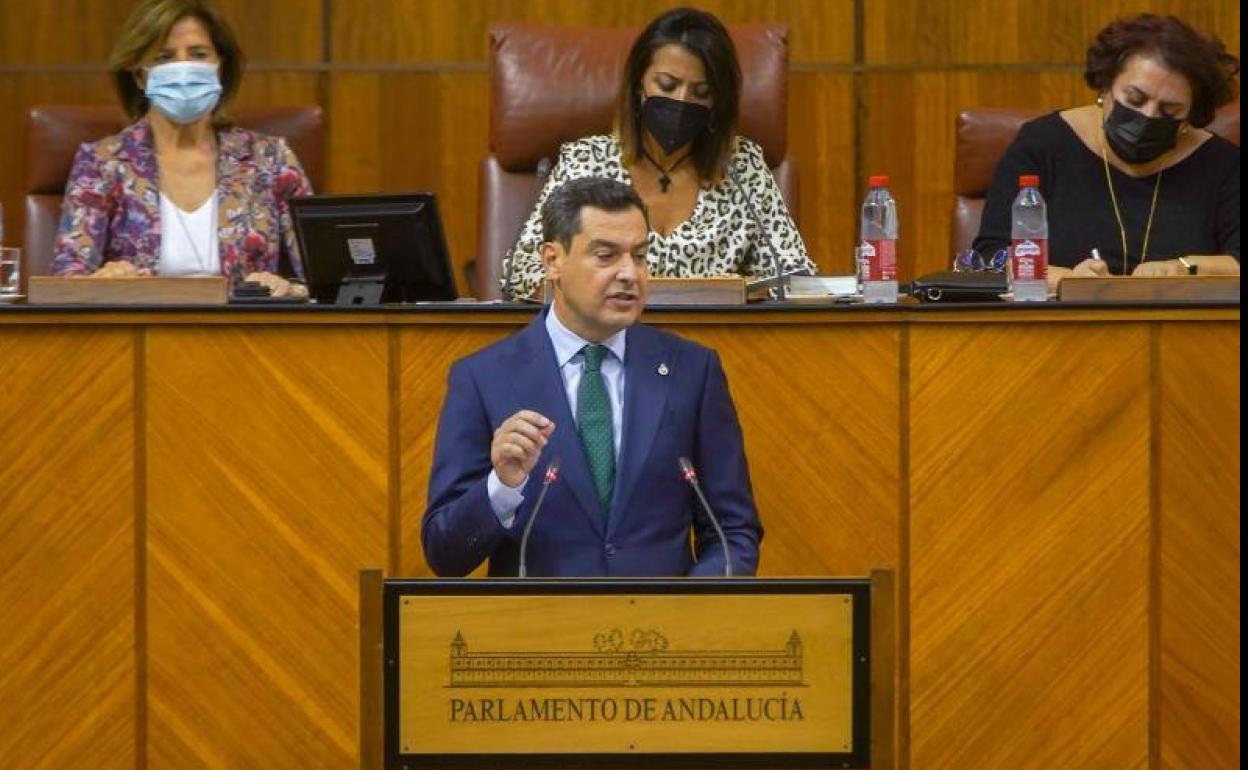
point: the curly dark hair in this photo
(1209, 69)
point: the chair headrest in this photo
(552, 84)
(54, 133)
(983, 134)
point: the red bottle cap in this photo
(1029, 180)
(877, 181)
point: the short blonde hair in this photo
(146, 30)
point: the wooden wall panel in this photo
(824, 458)
(60, 32)
(261, 512)
(985, 32)
(1199, 488)
(413, 132)
(910, 135)
(1029, 547)
(278, 89)
(426, 354)
(434, 31)
(67, 564)
(277, 30)
(43, 33)
(821, 141)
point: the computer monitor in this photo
(366, 249)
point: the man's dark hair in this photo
(561, 213)
(1203, 61)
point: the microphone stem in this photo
(763, 233)
(543, 171)
(528, 527)
(723, 541)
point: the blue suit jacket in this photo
(676, 402)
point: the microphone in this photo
(763, 232)
(691, 476)
(552, 475)
(539, 181)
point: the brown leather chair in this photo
(54, 132)
(984, 134)
(550, 85)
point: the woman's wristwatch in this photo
(1190, 265)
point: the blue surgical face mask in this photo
(184, 91)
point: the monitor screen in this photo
(393, 243)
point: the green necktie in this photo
(593, 421)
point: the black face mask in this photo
(1137, 138)
(674, 123)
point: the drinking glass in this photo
(10, 267)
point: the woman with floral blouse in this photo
(180, 192)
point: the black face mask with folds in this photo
(674, 123)
(1137, 138)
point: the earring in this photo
(1100, 100)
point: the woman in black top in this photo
(1133, 179)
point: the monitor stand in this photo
(361, 289)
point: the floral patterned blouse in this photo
(112, 203)
(721, 236)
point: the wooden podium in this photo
(643, 673)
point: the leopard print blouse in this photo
(719, 237)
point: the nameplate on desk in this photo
(1186, 288)
(145, 290)
(720, 290)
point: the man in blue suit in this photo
(617, 402)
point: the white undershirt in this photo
(188, 239)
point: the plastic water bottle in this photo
(1029, 232)
(878, 251)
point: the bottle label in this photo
(880, 258)
(1029, 259)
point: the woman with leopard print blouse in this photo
(675, 142)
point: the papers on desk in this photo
(823, 285)
(818, 289)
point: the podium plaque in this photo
(647, 673)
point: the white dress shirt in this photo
(568, 345)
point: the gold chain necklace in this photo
(1122, 230)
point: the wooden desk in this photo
(1057, 487)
